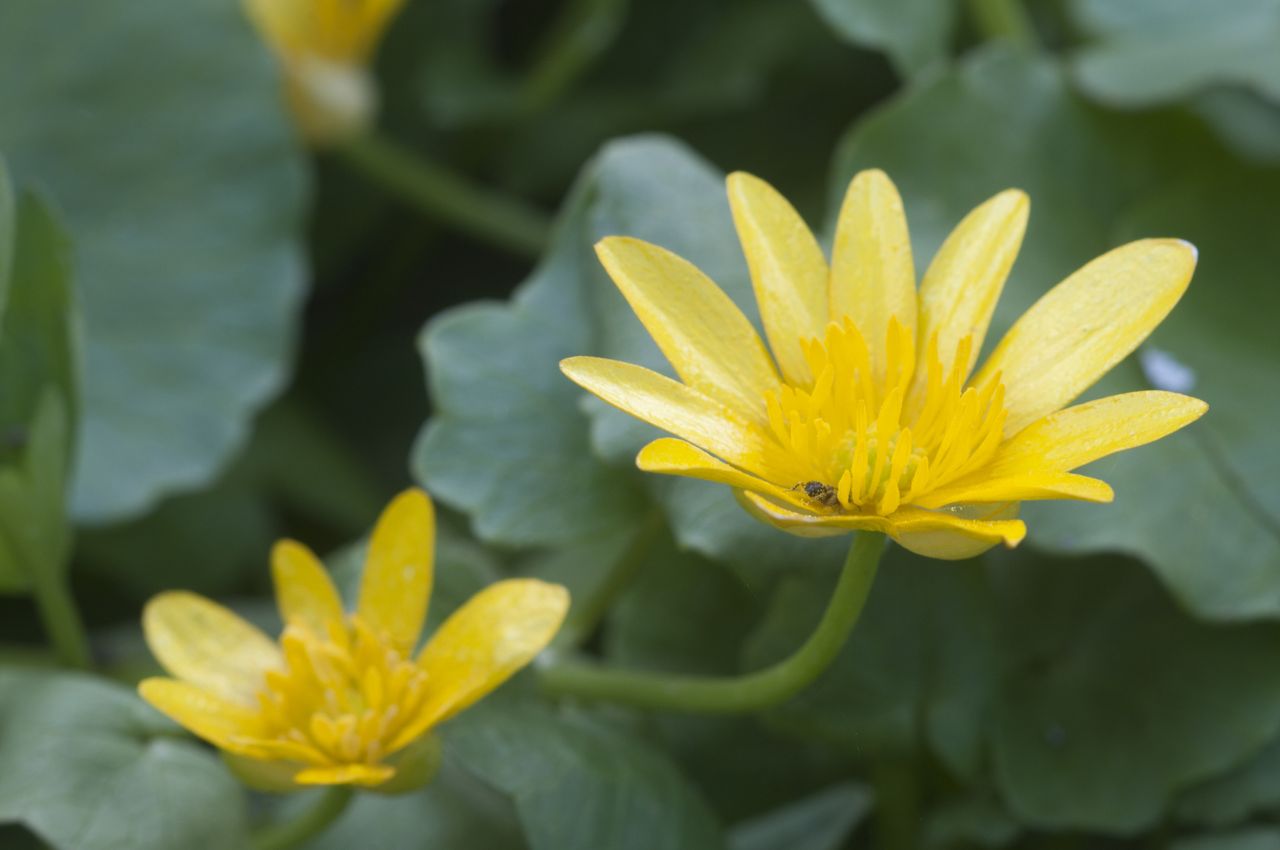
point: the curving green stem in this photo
(315, 820)
(446, 197)
(735, 694)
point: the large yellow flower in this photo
(342, 699)
(326, 47)
(862, 413)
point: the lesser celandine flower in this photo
(326, 48)
(864, 411)
(343, 699)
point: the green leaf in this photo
(1259, 838)
(916, 673)
(87, 766)
(822, 821)
(454, 812)
(914, 33)
(580, 785)
(185, 217)
(508, 443)
(1232, 798)
(1152, 51)
(1096, 180)
(8, 232)
(1115, 699)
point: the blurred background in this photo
(253, 314)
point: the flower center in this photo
(341, 698)
(869, 440)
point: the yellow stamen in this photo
(877, 444)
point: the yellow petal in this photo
(210, 646)
(482, 644)
(935, 534)
(396, 584)
(304, 592)
(668, 456)
(1078, 435)
(1018, 488)
(1085, 325)
(665, 403)
(709, 342)
(952, 537)
(960, 290)
(366, 775)
(873, 276)
(204, 714)
(788, 271)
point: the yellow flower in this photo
(326, 47)
(342, 699)
(863, 413)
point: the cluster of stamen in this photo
(342, 698)
(872, 433)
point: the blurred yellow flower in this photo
(342, 700)
(862, 413)
(326, 47)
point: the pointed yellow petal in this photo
(708, 341)
(804, 524)
(873, 276)
(1071, 438)
(669, 456)
(960, 290)
(482, 644)
(665, 403)
(304, 592)
(205, 714)
(396, 585)
(788, 271)
(212, 647)
(365, 775)
(1085, 325)
(950, 537)
(1018, 488)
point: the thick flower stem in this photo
(315, 820)
(1005, 19)
(585, 616)
(61, 618)
(735, 694)
(443, 196)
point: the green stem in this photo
(61, 618)
(897, 804)
(735, 694)
(582, 34)
(1006, 19)
(309, 824)
(442, 195)
(584, 617)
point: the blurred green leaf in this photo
(1249, 789)
(822, 821)
(1151, 51)
(1260, 838)
(971, 820)
(914, 33)
(86, 766)
(1001, 119)
(579, 785)
(158, 127)
(1115, 699)
(454, 812)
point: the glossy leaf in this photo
(185, 218)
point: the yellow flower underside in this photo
(343, 697)
(326, 47)
(861, 412)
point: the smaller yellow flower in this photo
(326, 47)
(342, 699)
